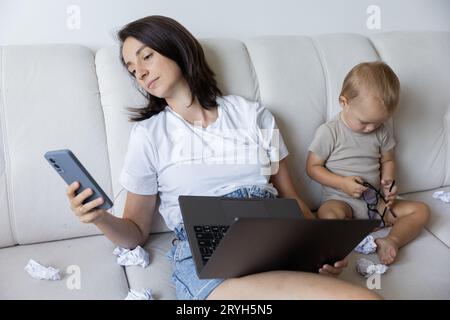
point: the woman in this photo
(185, 108)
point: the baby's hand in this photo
(353, 186)
(389, 194)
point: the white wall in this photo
(46, 21)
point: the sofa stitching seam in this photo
(436, 237)
(253, 71)
(8, 183)
(126, 277)
(372, 44)
(105, 124)
(326, 76)
(446, 143)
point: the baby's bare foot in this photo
(387, 250)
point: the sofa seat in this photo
(419, 264)
(418, 273)
(101, 276)
(157, 275)
(439, 223)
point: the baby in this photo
(352, 156)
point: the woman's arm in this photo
(133, 228)
(283, 183)
(128, 232)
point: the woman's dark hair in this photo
(172, 40)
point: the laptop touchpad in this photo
(243, 208)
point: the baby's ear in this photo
(343, 101)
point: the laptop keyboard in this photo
(208, 238)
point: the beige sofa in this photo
(67, 96)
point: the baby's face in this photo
(364, 114)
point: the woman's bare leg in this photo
(289, 285)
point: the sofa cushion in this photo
(6, 235)
(337, 60)
(49, 100)
(158, 275)
(422, 120)
(422, 262)
(420, 271)
(439, 223)
(101, 276)
(292, 87)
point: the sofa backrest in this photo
(49, 100)
(64, 96)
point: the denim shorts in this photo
(187, 284)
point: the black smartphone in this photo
(70, 169)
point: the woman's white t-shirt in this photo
(169, 156)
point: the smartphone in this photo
(70, 169)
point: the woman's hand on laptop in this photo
(335, 269)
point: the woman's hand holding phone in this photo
(85, 212)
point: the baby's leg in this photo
(412, 216)
(335, 209)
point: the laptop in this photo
(232, 237)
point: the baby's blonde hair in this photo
(374, 76)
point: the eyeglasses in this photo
(371, 196)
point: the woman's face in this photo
(156, 74)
